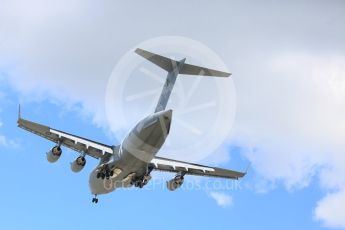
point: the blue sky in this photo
(287, 105)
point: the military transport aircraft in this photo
(131, 162)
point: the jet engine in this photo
(78, 164)
(54, 154)
(175, 183)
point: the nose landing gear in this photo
(95, 199)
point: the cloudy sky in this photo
(288, 65)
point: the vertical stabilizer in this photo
(168, 87)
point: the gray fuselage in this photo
(132, 158)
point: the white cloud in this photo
(39, 41)
(293, 122)
(222, 199)
(298, 128)
(331, 210)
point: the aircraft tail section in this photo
(174, 68)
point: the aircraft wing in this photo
(79, 144)
(169, 165)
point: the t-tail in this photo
(174, 68)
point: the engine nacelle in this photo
(175, 183)
(78, 164)
(54, 154)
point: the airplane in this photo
(131, 162)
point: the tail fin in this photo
(174, 68)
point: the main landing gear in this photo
(105, 172)
(142, 181)
(95, 199)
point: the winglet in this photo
(19, 113)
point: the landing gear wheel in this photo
(95, 199)
(141, 184)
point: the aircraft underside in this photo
(131, 162)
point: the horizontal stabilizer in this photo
(163, 62)
(170, 65)
(202, 71)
